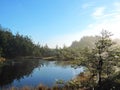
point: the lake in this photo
(19, 73)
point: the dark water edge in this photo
(19, 73)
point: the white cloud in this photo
(108, 20)
(99, 11)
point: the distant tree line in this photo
(17, 45)
(13, 46)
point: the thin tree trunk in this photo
(99, 80)
(100, 71)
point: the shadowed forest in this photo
(98, 55)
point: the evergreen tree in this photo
(102, 59)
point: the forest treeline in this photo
(17, 46)
(14, 46)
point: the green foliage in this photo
(14, 46)
(102, 60)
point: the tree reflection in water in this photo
(17, 69)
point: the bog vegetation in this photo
(100, 55)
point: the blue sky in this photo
(59, 22)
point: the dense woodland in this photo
(14, 46)
(100, 55)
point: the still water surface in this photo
(34, 72)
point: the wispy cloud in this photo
(99, 11)
(109, 20)
(117, 5)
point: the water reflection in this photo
(16, 70)
(33, 72)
